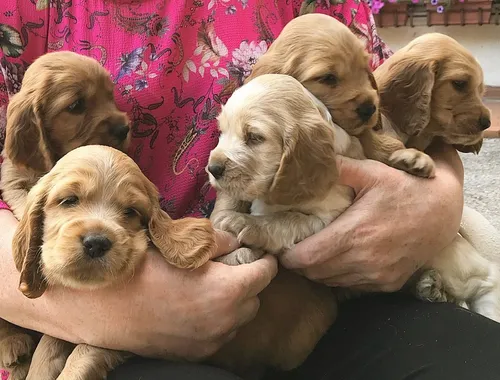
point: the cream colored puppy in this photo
(277, 153)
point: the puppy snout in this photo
(120, 131)
(216, 170)
(96, 245)
(484, 122)
(366, 110)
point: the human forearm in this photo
(15, 307)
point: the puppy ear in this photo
(27, 243)
(373, 82)
(476, 148)
(184, 243)
(308, 167)
(406, 92)
(25, 140)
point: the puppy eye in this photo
(69, 201)
(329, 79)
(253, 138)
(130, 212)
(459, 85)
(77, 106)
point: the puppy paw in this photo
(413, 162)
(240, 256)
(15, 349)
(234, 222)
(430, 287)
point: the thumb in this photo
(357, 174)
(225, 243)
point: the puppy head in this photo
(88, 223)
(66, 101)
(276, 144)
(435, 86)
(328, 59)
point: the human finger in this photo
(247, 311)
(333, 241)
(350, 280)
(225, 243)
(357, 174)
(256, 276)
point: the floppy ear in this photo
(184, 243)
(25, 140)
(476, 148)
(406, 92)
(308, 167)
(373, 82)
(27, 244)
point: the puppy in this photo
(66, 100)
(432, 89)
(87, 225)
(276, 159)
(331, 62)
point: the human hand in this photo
(396, 223)
(161, 312)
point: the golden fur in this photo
(66, 100)
(433, 88)
(331, 62)
(277, 152)
(95, 191)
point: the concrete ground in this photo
(482, 180)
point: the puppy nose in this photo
(96, 245)
(216, 170)
(366, 110)
(484, 122)
(120, 131)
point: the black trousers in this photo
(382, 337)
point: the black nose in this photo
(484, 122)
(120, 131)
(96, 245)
(216, 170)
(366, 110)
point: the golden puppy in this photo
(331, 62)
(276, 159)
(433, 88)
(87, 225)
(66, 100)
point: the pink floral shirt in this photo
(173, 62)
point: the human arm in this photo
(161, 312)
(397, 222)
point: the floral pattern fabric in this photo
(174, 63)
